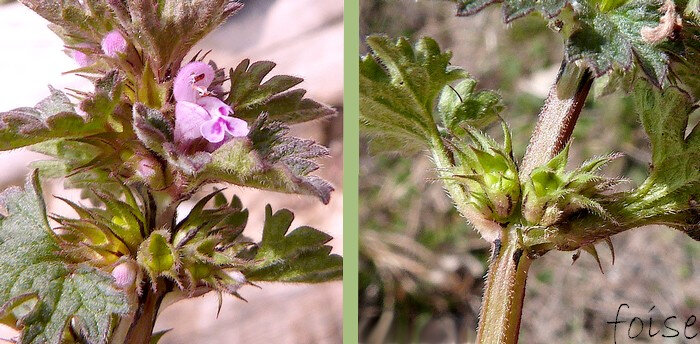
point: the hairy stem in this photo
(592, 228)
(555, 123)
(499, 321)
(150, 300)
(141, 328)
(501, 310)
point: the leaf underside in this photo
(399, 85)
(673, 185)
(55, 117)
(406, 94)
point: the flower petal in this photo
(235, 126)
(213, 130)
(189, 118)
(192, 76)
(214, 106)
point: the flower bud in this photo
(124, 275)
(147, 169)
(114, 44)
(551, 193)
(490, 175)
(238, 280)
(80, 57)
(237, 276)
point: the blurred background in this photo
(304, 38)
(422, 268)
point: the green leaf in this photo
(68, 155)
(298, 256)
(270, 160)
(399, 86)
(31, 266)
(513, 9)
(673, 185)
(150, 92)
(608, 39)
(225, 221)
(55, 117)
(125, 221)
(461, 106)
(250, 96)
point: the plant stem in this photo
(141, 328)
(555, 123)
(149, 301)
(501, 310)
(502, 304)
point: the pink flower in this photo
(200, 115)
(114, 44)
(80, 57)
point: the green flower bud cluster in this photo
(551, 193)
(490, 174)
(102, 236)
(203, 250)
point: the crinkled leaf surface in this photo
(270, 160)
(252, 94)
(613, 38)
(463, 105)
(674, 183)
(55, 116)
(513, 9)
(604, 33)
(399, 85)
(298, 256)
(31, 266)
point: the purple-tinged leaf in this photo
(55, 117)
